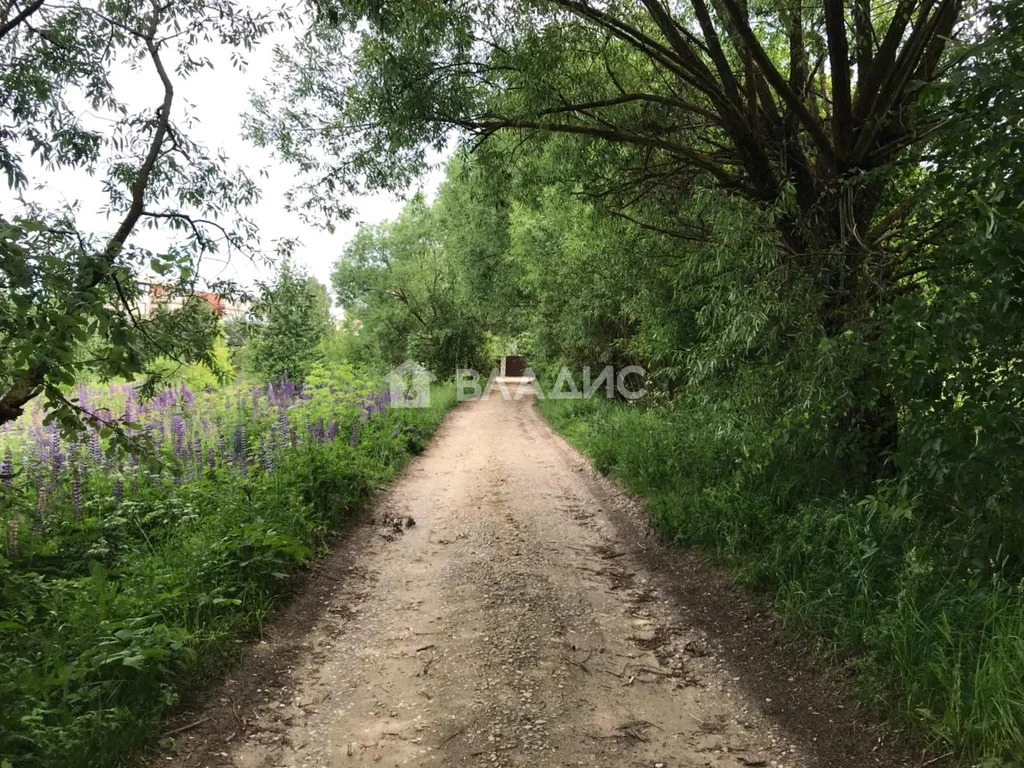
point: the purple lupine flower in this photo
(41, 509)
(12, 538)
(332, 432)
(241, 449)
(56, 454)
(187, 396)
(7, 469)
(118, 491)
(178, 435)
(41, 445)
(268, 456)
(354, 440)
(282, 422)
(95, 450)
(76, 493)
(199, 458)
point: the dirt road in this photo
(511, 625)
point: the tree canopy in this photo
(68, 295)
(806, 212)
(402, 282)
(293, 317)
(816, 124)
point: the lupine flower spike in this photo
(7, 469)
(76, 493)
(12, 538)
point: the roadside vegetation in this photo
(932, 639)
(134, 563)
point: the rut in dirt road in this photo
(507, 627)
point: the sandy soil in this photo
(513, 624)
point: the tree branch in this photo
(27, 11)
(676, 233)
(490, 124)
(28, 384)
(839, 61)
(810, 122)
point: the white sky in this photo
(215, 99)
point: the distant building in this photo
(153, 297)
(513, 366)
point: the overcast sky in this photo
(215, 99)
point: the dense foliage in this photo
(402, 284)
(803, 220)
(123, 581)
(293, 318)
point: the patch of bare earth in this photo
(523, 620)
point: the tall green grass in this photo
(936, 640)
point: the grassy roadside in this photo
(935, 648)
(119, 606)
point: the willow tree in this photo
(404, 284)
